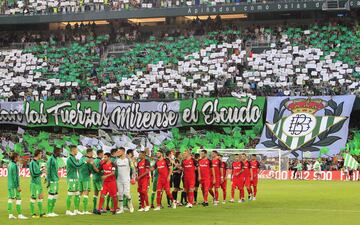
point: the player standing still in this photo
(84, 178)
(36, 190)
(217, 174)
(97, 182)
(109, 183)
(255, 169)
(224, 182)
(14, 187)
(123, 166)
(189, 166)
(143, 179)
(164, 169)
(52, 178)
(246, 176)
(72, 166)
(237, 169)
(205, 170)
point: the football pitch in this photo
(278, 202)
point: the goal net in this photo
(270, 159)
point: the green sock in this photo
(53, 204)
(32, 206)
(95, 201)
(85, 202)
(10, 206)
(125, 203)
(77, 202)
(49, 204)
(40, 205)
(68, 202)
(152, 198)
(18, 206)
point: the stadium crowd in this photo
(317, 59)
(35, 7)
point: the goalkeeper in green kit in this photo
(52, 179)
(36, 191)
(14, 187)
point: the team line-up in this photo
(114, 172)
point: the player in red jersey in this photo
(164, 169)
(189, 166)
(237, 169)
(246, 176)
(109, 183)
(143, 179)
(205, 171)
(254, 172)
(218, 175)
(224, 182)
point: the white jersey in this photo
(124, 168)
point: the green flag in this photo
(350, 162)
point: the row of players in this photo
(112, 178)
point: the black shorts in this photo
(176, 180)
(197, 183)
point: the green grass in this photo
(278, 202)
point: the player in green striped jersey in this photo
(97, 181)
(14, 187)
(52, 178)
(36, 190)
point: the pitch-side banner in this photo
(135, 116)
(307, 123)
(264, 174)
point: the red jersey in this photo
(163, 167)
(189, 166)
(246, 168)
(107, 169)
(205, 168)
(236, 168)
(217, 165)
(143, 165)
(255, 166)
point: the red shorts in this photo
(205, 184)
(237, 182)
(162, 183)
(189, 183)
(247, 181)
(224, 184)
(143, 184)
(217, 182)
(255, 180)
(109, 187)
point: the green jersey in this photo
(35, 172)
(113, 159)
(85, 170)
(317, 166)
(72, 166)
(13, 176)
(299, 166)
(52, 168)
(97, 176)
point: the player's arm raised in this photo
(76, 164)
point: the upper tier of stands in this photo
(14, 7)
(312, 60)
